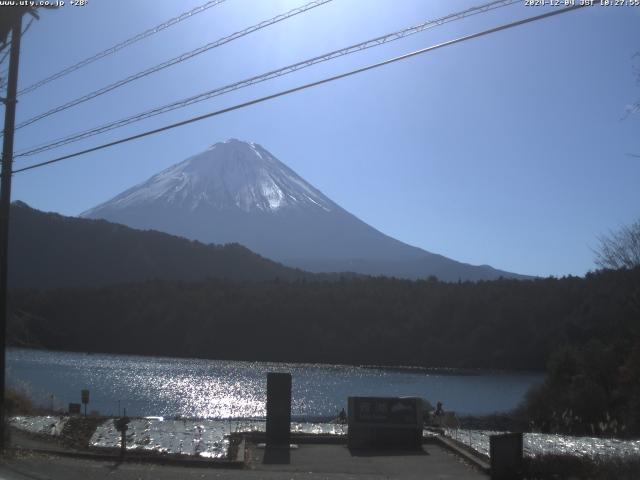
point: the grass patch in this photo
(19, 403)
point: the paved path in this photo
(337, 461)
(313, 462)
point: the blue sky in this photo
(510, 150)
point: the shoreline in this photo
(436, 370)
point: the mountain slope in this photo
(239, 192)
(48, 250)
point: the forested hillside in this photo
(48, 250)
(499, 324)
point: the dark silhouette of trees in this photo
(504, 324)
(620, 249)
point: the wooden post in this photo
(5, 204)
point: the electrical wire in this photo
(174, 61)
(121, 45)
(305, 86)
(264, 77)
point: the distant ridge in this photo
(48, 250)
(239, 192)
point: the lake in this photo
(195, 388)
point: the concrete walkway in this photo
(330, 459)
(337, 461)
(311, 462)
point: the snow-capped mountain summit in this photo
(231, 174)
(239, 192)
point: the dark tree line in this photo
(593, 383)
(498, 324)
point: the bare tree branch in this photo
(620, 249)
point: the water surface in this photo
(194, 388)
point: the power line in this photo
(305, 86)
(121, 45)
(174, 61)
(266, 76)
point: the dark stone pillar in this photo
(278, 409)
(506, 456)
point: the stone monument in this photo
(278, 409)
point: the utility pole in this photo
(5, 204)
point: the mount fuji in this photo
(239, 192)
